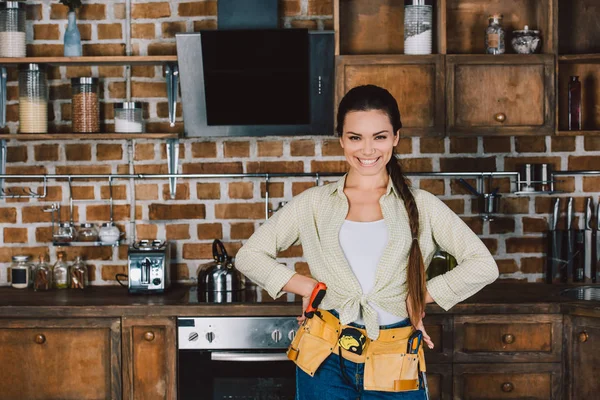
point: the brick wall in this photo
(231, 209)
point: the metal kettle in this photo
(220, 275)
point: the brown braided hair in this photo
(371, 97)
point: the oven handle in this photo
(247, 357)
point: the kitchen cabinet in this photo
(582, 338)
(149, 367)
(508, 95)
(69, 359)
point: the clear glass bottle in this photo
(78, 274)
(574, 103)
(418, 16)
(20, 272)
(494, 35)
(85, 107)
(128, 117)
(33, 99)
(12, 29)
(42, 277)
(72, 37)
(61, 272)
(87, 233)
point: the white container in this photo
(128, 117)
(109, 233)
(12, 29)
(418, 16)
(20, 272)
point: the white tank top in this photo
(363, 244)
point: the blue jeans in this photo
(328, 383)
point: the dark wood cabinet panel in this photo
(508, 338)
(417, 83)
(500, 95)
(69, 359)
(439, 381)
(439, 328)
(582, 336)
(578, 28)
(149, 348)
(507, 381)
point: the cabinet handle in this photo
(508, 338)
(582, 337)
(507, 387)
(40, 339)
(149, 336)
(500, 117)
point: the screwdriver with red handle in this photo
(315, 299)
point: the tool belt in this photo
(388, 367)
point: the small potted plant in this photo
(72, 38)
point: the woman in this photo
(367, 237)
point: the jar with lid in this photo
(42, 277)
(61, 272)
(109, 233)
(85, 107)
(494, 35)
(87, 233)
(64, 234)
(418, 16)
(78, 274)
(20, 271)
(12, 29)
(33, 99)
(128, 116)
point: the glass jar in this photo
(42, 277)
(85, 107)
(78, 274)
(12, 29)
(128, 116)
(33, 99)
(494, 35)
(60, 272)
(109, 233)
(64, 234)
(87, 233)
(20, 271)
(418, 15)
(574, 102)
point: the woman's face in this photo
(368, 141)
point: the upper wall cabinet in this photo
(578, 27)
(508, 95)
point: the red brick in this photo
(182, 191)
(162, 49)
(15, 235)
(213, 168)
(466, 164)
(463, 145)
(53, 193)
(269, 148)
(591, 143)
(432, 145)
(25, 170)
(497, 144)
(178, 232)
(491, 244)
(302, 148)
(6, 253)
(208, 191)
(331, 148)
(146, 231)
(162, 110)
(304, 24)
(501, 225)
(236, 149)
(110, 31)
(530, 144)
(144, 151)
(535, 225)
(210, 231)
(404, 146)
(94, 11)
(242, 230)
(148, 89)
(562, 143)
(43, 234)
(83, 192)
(143, 31)
(109, 272)
(150, 10)
(46, 32)
(169, 29)
(275, 189)
(45, 152)
(320, 7)
(198, 8)
(515, 163)
(290, 8)
(121, 212)
(507, 266)
(525, 245)
(299, 187)
(591, 183)
(45, 50)
(176, 211)
(533, 265)
(456, 205)
(203, 251)
(77, 71)
(204, 149)
(514, 205)
(144, 71)
(205, 24)
(435, 186)
(241, 190)
(16, 154)
(146, 191)
(105, 152)
(584, 163)
(240, 211)
(416, 164)
(322, 166)
(104, 49)
(34, 12)
(119, 192)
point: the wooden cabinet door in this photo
(417, 84)
(583, 341)
(507, 381)
(509, 94)
(439, 381)
(439, 328)
(508, 338)
(67, 359)
(149, 351)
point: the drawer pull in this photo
(582, 337)
(507, 387)
(149, 336)
(40, 339)
(500, 117)
(509, 338)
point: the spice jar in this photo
(417, 26)
(33, 99)
(64, 234)
(42, 277)
(12, 29)
(20, 271)
(87, 233)
(109, 233)
(61, 272)
(78, 274)
(85, 108)
(128, 116)
(494, 35)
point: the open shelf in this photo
(579, 133)
(579, 59)
(589, 76)
(578, 28)
(87, 136)
(87, 244)
(99, 60)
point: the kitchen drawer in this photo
(507, 381)
(439, 381)
(439, 328)
(508, 338)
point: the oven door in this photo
(212, 375)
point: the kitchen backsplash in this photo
(232, 208)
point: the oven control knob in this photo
(291, 335)
(193, 336)
(156, 281)
(276, 336)
(210, 337)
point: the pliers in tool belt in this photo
(414, 342)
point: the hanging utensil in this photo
(556, 265)
(3, 78)
(570, 243)
(596, 263)
(587, 249)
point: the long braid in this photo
(416, 268)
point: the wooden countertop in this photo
(111, 301)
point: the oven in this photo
(235, 358)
